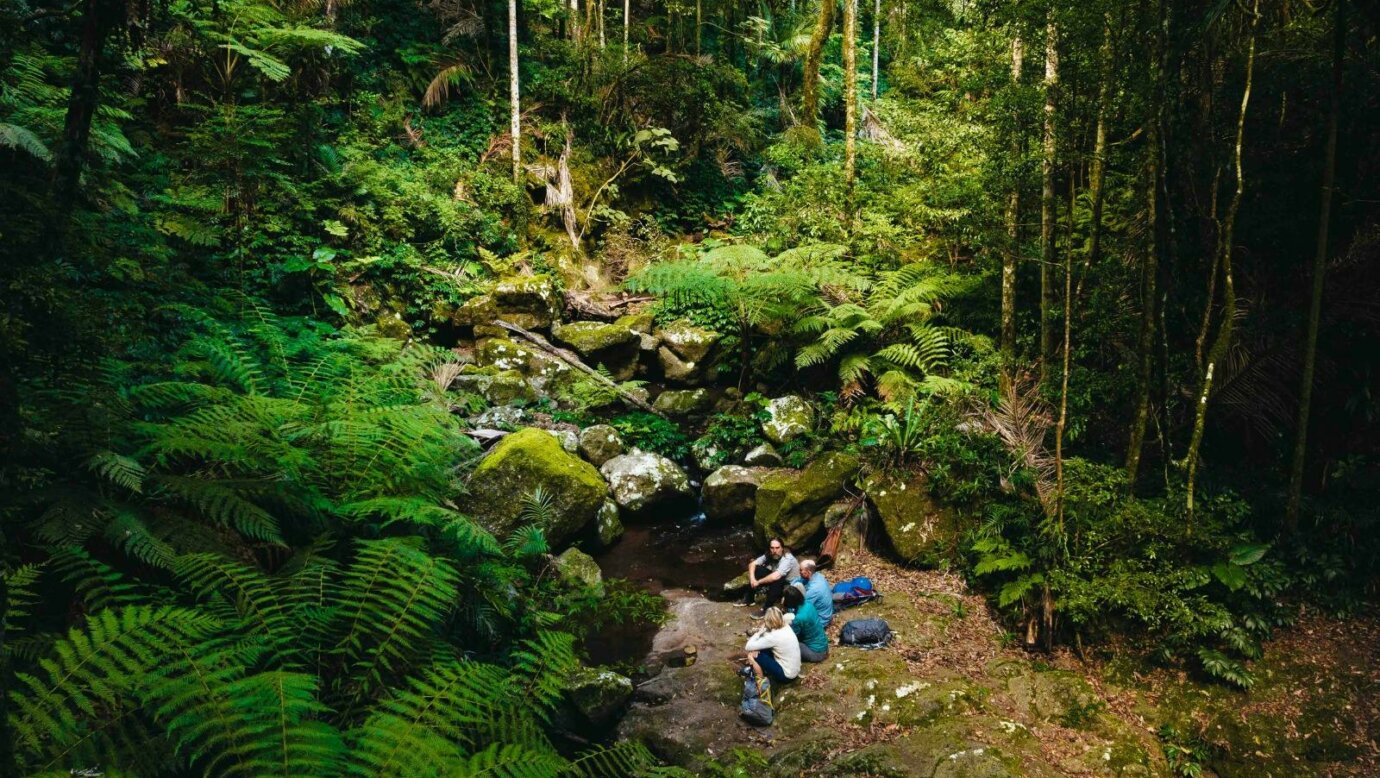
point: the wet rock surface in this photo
(640, 480)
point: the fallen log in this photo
(570, 359)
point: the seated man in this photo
(817, 591)
(773, 651)
(804, 622)
(771, 572)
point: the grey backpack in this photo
(756, 708)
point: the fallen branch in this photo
(574, 361)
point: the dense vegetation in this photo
(1106, 274)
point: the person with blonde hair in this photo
(773, 650)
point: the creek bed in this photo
(684, 554)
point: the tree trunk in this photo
(1099, 160)
(575, 31)
(1310, 342)
(1064, 383)
(699, 26)
(1013, 232)
(515, 112)
(1222, 343)
(850, 95)
(98, 18)
(1149, 296)
(627, 11)
(876, 46)
(1047, 227)
(809, 106)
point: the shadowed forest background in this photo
(1103, 278)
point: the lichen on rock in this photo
(791, 504)
(640, 480)
(516, 467)
(919, 529)
(730, 493)
(599, 343)
(788, 418)
(600, 442)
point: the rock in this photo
(789, 417)
(477, 311)
(686, 341)
(676, 369)
(730, 493)
(600, 443)
(570, 442)
(543, 372)
(579, 569)
(515, 467)
(919, 530)
(640, 480)
(791, 504)
(598, 343)
(598, 696)
(498, 387)
(682, 402)
(608, 528)
(641, 323)
(737, 585)
(530, 302)
(708, 456)
(764, 455)
(504, 417)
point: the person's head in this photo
(776, 548)
(774, 619)
(807, 568)
(794, 596)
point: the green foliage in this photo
(652, 433)
(729, 437)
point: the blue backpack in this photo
(854, 592)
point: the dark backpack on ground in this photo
(865, 633)
(756, 708)
(854, 592)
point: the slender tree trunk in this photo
(876, 46)
(809, 107)
(1064, 388)
(699, 26)
(627, 13)
(850, 95)
(603, 39)
(1310, 342)
(1013, 232)
(575, 32)
(1047, 226)
(98, 19)
(1099, 160)
(1222, 343)
(1149, 295)
(515, 111)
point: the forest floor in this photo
(952, 696)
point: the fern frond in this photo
(224, 507)
(118, 469)
(544, 662)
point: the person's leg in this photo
(808, 654)
(771, 668)
(774, 591)
(762, 571)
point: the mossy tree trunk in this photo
(1013, 228)
(850, 95)
(1047, 215)
(809, 104)
(1225, 329)
(1310, 341)
(514, 106)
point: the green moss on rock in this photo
(791, 504)
(788, 418)
(613, 346)
(919, 530)
(683, 402)
(519, 464)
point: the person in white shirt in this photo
(773, 650)
(771, 572)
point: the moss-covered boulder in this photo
(477, 311)
(519, 464)
(599, 343)
(683, 402)
(498, 387)
(788, 418)
(598, 696)
(677, 370)
(919, 530)
(546, 374)
(791, 504)
(640, 480)
(578, 569)
(570, 442)
(531, 302)
(608, 528)
(764, 455)
(730, 493)
(685, 340)
(600, 442)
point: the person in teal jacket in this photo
(804, 622)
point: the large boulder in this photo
(578, 569)
(683, 402)
(788, 417)
(764, 455)
(598, 696)
(919, 529)
(730, 493)
(543, 372)
(477, 311)
(685, 340)
(640, 480)
(498, 387)
(531, 302)
(791, 503)
(608, 528)
(599, 343)
(600, 442)
(677, 370)
(519, 464)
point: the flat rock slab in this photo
(944, 700)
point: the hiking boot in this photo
(760, 613)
